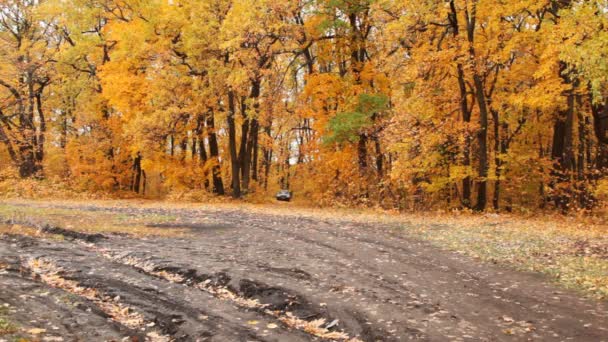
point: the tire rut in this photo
(275, 302)
(379, 285)
(160, 305)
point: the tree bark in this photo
(482, 142)
(464, 110)
(203, 159)
(137, 173)
(562, 153)
(498, 150)
(218, 184)
(243, 159)
(379, 157)
(234, 159)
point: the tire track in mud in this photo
(51, 275)
(485, 300)
(402, 279)
(158, 311)
(488, 300)
(417, 308)
(247, 296)
(33, 292)
(91, 288)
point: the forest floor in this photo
(111, 271)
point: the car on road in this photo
(284, 195)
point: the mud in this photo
(239, 276)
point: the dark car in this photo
(284, 195)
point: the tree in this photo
(26, 60)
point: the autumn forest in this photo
(410, 105)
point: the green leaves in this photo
(347, 126)
(371, 104)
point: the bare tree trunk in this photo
(234, 159)
(362, 153)
(482, 142)
(498, 143)
(218, 184)
(41, 136)
(243, 147)
(379, 157)
(465, 111)
(202, 151)
(137, 173)
(563, 155)
(267, 154)
(255, 154)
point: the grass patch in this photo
(6, 326)
(85, 221)
(17, 229)
(571, 253)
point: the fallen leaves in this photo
(36, 331)
(50, 274)
(516, 327)
(315, 327)
(557, 246)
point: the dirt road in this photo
(239, 276)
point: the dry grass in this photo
(6, 326)
(15, 229)
(83, 221)
(574, 252)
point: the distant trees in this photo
(407, 104)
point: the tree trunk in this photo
(482, 142)
(184, 148)
(255, 154)
(41, 136)
(379, 157)
(243, 159)
(27, 163)
(202, 152)
(137, 173)
(563, 155)
(362, 153)
(248, 161)
(600, 127)
(250, 134)
(234, 159)
(464, 110)
(497, 159)
(218, 184)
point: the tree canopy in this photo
(402, 104)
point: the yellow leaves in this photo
(314, 25)
(36, 331)
(50, 274)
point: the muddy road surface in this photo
(240, 276)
